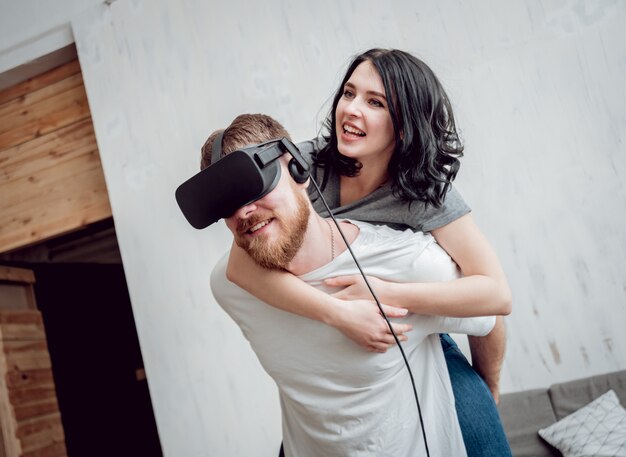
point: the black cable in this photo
(419, 409)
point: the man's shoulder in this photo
(221, 287)
(381, 241)
(218, 274)
(376, 233)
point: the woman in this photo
(390, 156)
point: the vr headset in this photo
(237, 179)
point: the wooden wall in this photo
(30, 421)
(51, 179)
(30, 416)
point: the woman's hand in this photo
(354, 287)
(361, 321)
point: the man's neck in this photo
(320, 247)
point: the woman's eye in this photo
(376, 103)
(348, 93)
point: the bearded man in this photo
(336, 399)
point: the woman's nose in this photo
(353, 108)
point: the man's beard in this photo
(278, 255)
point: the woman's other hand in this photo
(361, 321)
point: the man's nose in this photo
(245, 211)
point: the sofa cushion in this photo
(568, 397)
(598, 428)
(523, 413)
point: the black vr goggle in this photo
(237, 179)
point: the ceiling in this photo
(38, 66)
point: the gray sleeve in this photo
(453, 207)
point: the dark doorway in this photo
(98, 369)
(81, 292)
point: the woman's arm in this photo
(359, 319)
(482, 291)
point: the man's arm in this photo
(469, 248)
(488, 355)
(487, 342)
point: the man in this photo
(336, 399)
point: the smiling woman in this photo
(402, 101)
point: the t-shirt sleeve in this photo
(218, 280)
(476, 326)
(430, 218)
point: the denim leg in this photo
(478, 416)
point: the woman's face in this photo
(364, 127)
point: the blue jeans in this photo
(478, 416)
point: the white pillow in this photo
(597, 429)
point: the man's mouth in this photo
(258, 226)
(350, 130)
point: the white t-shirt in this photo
(336, 398)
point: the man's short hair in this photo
(246, 129)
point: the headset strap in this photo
(216, 147)
(269, 153)
(295, 153)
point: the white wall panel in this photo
(538, 89)
(549, 118)
(30, 29)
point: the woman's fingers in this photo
(383, 347)
(387, 340)
(400, 329)
(392, 311)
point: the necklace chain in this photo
(332, 240)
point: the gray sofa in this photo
(524, 413)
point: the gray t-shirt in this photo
(381, 206)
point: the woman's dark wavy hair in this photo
(427, 150)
